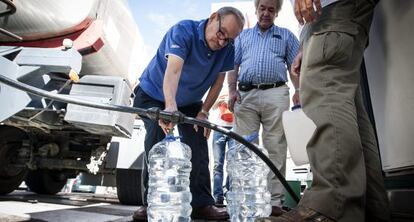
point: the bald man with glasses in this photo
(192, 59)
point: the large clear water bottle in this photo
(169, 170)
(248, 196)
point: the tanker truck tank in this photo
(90, 50)
(104, 31)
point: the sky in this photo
(155, 17)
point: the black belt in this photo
(247, 86)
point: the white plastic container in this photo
(299, 129)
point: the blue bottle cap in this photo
(170, 138)
(296, 107)
(252, 137)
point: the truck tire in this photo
(45, 181)
(128, 185)
(10, 176)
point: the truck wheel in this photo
(45, 181)
(10, 176)
(128, 185)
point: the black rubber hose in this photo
(249, 145)
(153, 113)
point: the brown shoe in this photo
(299, 214)
(277, 211)
(210, 213)
(140, 214)
(219, 201)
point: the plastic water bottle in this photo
(169, 170)
(248, 196)
(299, 129)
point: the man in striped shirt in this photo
(343, 153)
(263, 55)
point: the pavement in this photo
(22, 205)
(79, 207)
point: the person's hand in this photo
(203, 116)
(305, 11)
(234, 96)
(295, 98)
(297, 62)
(167, 126)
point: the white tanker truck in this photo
(44, 142)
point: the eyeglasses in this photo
(220, 34)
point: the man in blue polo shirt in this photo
(191, 59)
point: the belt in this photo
(247, 86)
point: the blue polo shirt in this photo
(201, 65)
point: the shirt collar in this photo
(201, 31)
(273, 29)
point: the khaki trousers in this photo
(265, 107)
(343, 153)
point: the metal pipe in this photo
(11, 34)
(11, 9)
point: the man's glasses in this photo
(220, 34)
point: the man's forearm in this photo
(232, 79)
(295, 80)
(170, 83)
(213, 93)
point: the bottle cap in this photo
(296, 107)
(252, 137)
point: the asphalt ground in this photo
(22, 205)
(65, 207)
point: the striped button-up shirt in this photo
(323, 2)
(327, 2)
(265, 57)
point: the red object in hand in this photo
(225, 113)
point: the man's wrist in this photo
(170, 103)
(232, 86)
(206, 113)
